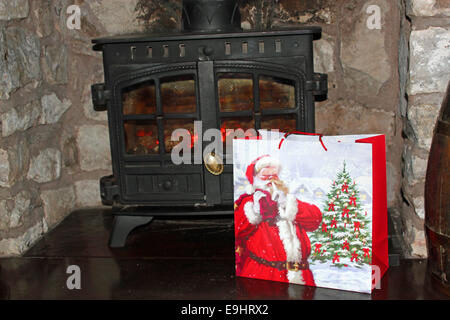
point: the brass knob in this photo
(213, 163)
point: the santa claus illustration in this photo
(271, 226)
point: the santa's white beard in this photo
(277, 195)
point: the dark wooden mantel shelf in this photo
(168, 259)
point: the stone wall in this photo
(54, 147)
(429, 72)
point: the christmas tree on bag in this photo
(344, 237)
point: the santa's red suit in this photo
(274, 233)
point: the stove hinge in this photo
(318, 85)
(100, 96)
(109, 190)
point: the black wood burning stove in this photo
(211, 72)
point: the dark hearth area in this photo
(202, 247)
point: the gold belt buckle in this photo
(295, 268)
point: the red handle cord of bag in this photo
(303, 133)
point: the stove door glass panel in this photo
(178, 94)
(276, 93)
(284, 123)
(240, 110)
(243, 123)
(235, 91)
(139, 99)
(141, 137)
(171, 125)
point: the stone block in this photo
(19, 159)
(13, 9)
(419, 246)
(17, 246)
(57, 204)
(419, 206)
(53, 108)
(324, 55)
(19, 59)
(94, 148)
(415, 167)
(46, 166)
(429, 60)
(88, 193)
(13, 209)
(422, 119)
(20, 118)
(21, 207)
(430, 8)
(4, 169)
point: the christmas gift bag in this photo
(311, 210)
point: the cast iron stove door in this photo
(152, 103)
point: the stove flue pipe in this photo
(211, 16)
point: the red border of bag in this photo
(380, 256)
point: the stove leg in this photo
(122, 226)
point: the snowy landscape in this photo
(349, 278)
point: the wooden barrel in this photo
(437, 200)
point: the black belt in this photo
(281, 265)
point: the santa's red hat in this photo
(257, 165)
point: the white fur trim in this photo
(291, 208)
(291, 243)
(252, 216)
(265, 162)
(249, 189)
(296, 277)
(288, 235)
